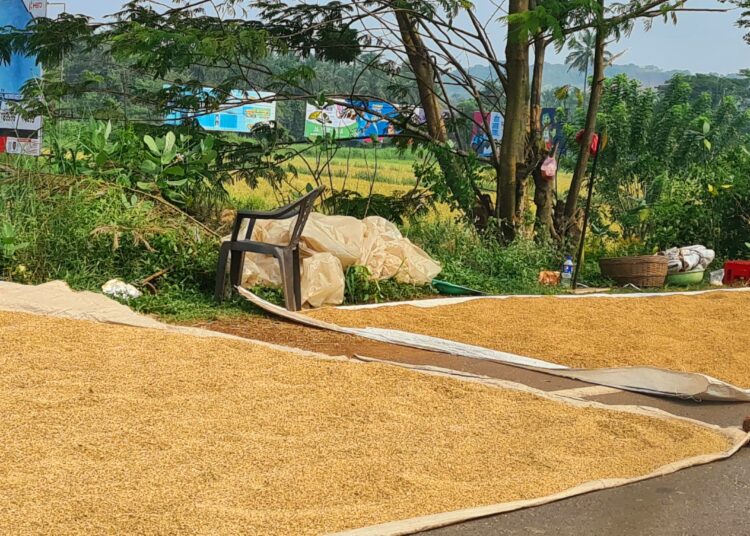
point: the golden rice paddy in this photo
(111, 430)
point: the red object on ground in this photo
(594, 148)
(736, 271)
(3, 139)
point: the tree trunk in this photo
(419, 60)
(516, 121)
(543, 188)
(424, 72)
(597, 86)
(585, 79)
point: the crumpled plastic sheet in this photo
(329, 246)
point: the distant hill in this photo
(557, 74)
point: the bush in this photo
(362, 288)
(86, 232)
(472, 260)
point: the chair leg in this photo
(286, 263)
(296, 272)
(221, 272)
(236, 268)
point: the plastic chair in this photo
(288, 256)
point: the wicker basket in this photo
(645, 271)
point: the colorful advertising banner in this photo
(336, 120)
(552, 131)
(239, 114)
(374, 119)
(351, 119)
(480, 141)
(17, 135)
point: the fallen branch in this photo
(176, 209)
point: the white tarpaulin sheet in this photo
(645, 379)
(332, 244)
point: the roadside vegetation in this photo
(119, 194)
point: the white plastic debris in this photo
(120, 289)
(717, 278)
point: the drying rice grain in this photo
(704, 333)
(111, 430)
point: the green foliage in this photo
(9, 242)
(472, 260)
(452, 180)
(362, 288)
(181, 168)
(397, 208)
(675, 168)
(87, 232)
(713, 209)
(183, 303)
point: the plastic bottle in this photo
(566, 276)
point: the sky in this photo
(700, 42)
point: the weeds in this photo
(474, 261)
(362, 288)
(86, 232)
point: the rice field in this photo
(363, 170)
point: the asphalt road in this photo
(711, 500)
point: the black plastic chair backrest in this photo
(301, 208)
(304, 207)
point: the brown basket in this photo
(645, 271)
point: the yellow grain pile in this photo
(113, 430)
(704, 333)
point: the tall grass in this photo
(86, 232)
(472, 260)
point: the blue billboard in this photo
(22, 68)
(375, 118)
(480, 141)
(239, 114)
(18, 135)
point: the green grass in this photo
(180, 305)
(473, 261)
(87, 232)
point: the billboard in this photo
(18, 135)
(374, 119)
(480, 141)
(351, 119)
(552, 130)
(238, 114)
(336, 120)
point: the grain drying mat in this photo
(687, 345)
(116, 429)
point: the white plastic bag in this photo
(120, 289)
(717, 278)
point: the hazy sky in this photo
(700, 42)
